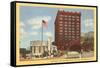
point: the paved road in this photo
(87, 54)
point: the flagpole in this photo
(43, 24)
(42, 36)
(42, 33)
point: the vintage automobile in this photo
(73, 54)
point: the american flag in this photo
(44, 23)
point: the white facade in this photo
(38, 47)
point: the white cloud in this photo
(49, 34)
(22, 24)
(37, 21)
(34, 33)
(88, 23)
(23, 32)
(36, 26)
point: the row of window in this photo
(72, 39)
(73, 19)
(69, 38)
(71, 34)
(69, 22)
(68, 34)
(77, 25)
(72, 25)
(69, 16)
(68, 28)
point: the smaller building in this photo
(42, 49)
(25, 54)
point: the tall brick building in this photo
(67, 30)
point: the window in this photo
(73, 19)
(65, 22)
(66, 34)
(78, 34)
(69, 37)
(65, 25)
(66, 37)
(69, 29)
(77, 25)
(77, 37)
(69, 33)
(60, 27)
(77, 19)
(73, 22)
(73, 36)
(69, 19)
(61, 30)
(60, 33)
(69, 25)
(77, 31)
(69, 16)
(65, 30)
(77, 28)
(61, 18)
(73, 33)
(73, 28)
(65, 19)
(60, 24)
(61, 15)
(66, 16)
(73, 16)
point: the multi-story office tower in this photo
(67, 30)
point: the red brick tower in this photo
(67, 30)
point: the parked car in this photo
(73, 54)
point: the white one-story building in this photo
(39, 48)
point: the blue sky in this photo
(31, 19)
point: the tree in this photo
(23, 52)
